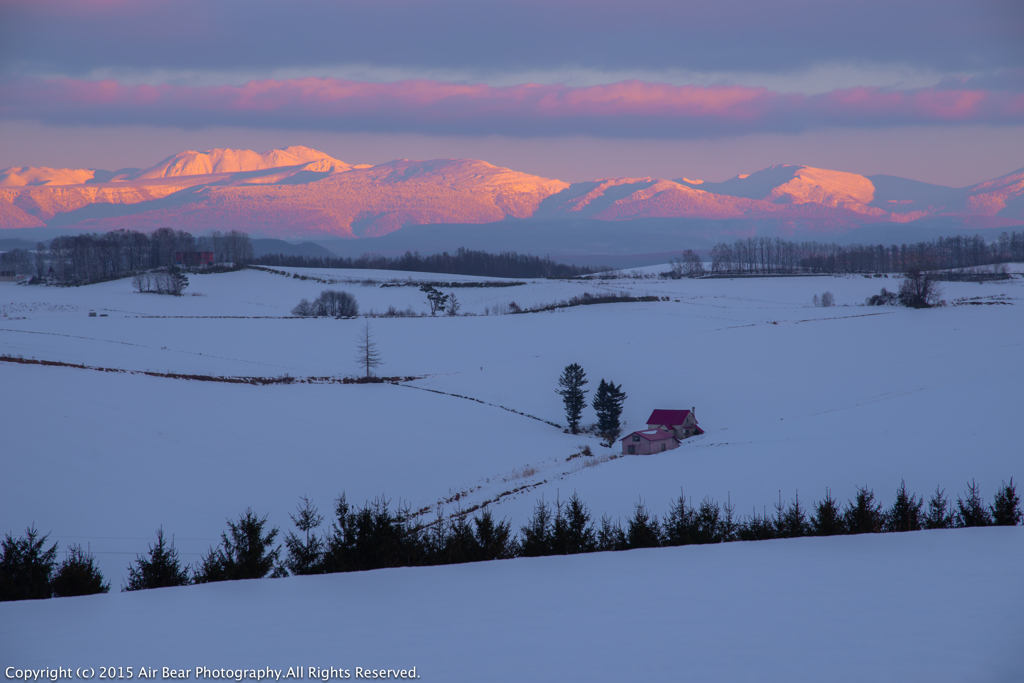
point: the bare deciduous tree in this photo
(367, 354)
(693, 266)
(40, 259)
(919, 289)
(453, 304)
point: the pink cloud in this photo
(626, 109)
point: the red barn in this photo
(193, 259)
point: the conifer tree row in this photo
(376, 536)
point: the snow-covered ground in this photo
(794, 399)
(937, 606)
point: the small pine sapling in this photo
(940, 514)
(971, 510)
(305, 553)
(827, 519)
(160, 570)
(864, 515)
(1006, 506)
(905, 513)
(643, 530)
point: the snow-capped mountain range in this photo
(301, 192)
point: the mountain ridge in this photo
(300, 192)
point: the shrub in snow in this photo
(883, 298)
(826, 300)
(919, 289)
(304, 309)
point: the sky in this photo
(925, 89)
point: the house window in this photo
(662, 446)
(636, 438)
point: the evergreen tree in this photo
(939, 516)
(245, 552)
(643, 530)
(791, 520)
(493, 541)
(608, 400)
(78, 575)
(374, 537)
(26, 567)
(680, 526)
(709, 522)
(573, 395)
(305, 553)
(864, 515)
(905, 513)
(537, 533)
(574, 534)
(729, 525)
(610, 536)
(827, 519)
(460, 544)
(160, 570)
(971, 510)
(1006, 506)
(436, 299)
(757, 528)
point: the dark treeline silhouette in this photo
(377, 536)
(768, 255)
(462, 262)
(95, 257)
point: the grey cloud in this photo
(76, 36)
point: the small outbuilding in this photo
(649, 441)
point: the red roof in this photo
(652, 435)
(668, 417)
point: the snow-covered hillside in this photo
(793, 398)
(938, 606)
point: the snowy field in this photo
(793, 399)
(937, 606)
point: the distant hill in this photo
(261, 247)
(301, 193)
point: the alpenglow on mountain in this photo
(300, 192)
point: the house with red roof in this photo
(665, 429)
(682, 423)
(649, 441)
